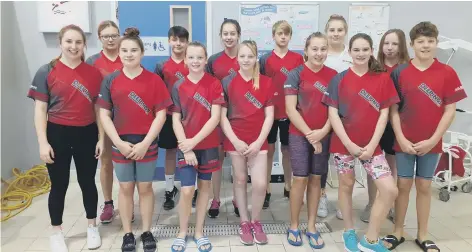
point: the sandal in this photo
(393, 241)
(201, 242)
(180, 243)
(315, 236)
(426, 245)
(297, 235)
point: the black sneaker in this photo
(286, 193)
(170, 196)
(149, 243)
(236, 209)
(194, 200)
(266, 201)
(129, 243)
(214, 210)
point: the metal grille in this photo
(169, 231)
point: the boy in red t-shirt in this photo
(428, 92)
(276, 65)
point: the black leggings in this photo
(68, 142)
(324, 178)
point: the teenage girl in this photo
(64, 92)
(359, 100)
(276, 65)
(138, 100)
(393, 53)
(308, 135)
(338, 59)
(221, 65)
(249, 107)
(196, 114)
(107, 62)
(171, 71)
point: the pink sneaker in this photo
(107, 213)
(214, 210)
(259, 236)
(245, 233)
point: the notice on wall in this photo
(372, 19)
(156, 46)
(257, 19)
(53, 15)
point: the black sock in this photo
(109, 202)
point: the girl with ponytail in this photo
(359, 100)
(246, 120)
(64, 91)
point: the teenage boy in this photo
(172, 70)
(276, 65)
(428, 91)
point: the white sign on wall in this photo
(156, 46)
(53, 15)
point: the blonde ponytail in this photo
(256, 76)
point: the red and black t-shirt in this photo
(246, 106)
(194, 101)
(134, 102)
(70, 93)
(277, 69)
(171, 72)
(104, 64)
(309, 87)
(423, 96)
(390, 68)
(359, 100)
(221, 65)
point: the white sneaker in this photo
(93, 237)
(323, 206)
(339, 215)
(57, 242)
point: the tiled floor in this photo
(450, 224)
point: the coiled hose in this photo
(22, 189)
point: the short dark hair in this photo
(178, 32)
(426, 29)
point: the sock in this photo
(109, 202)
(169, 183)
(371, 241)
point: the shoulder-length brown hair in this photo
(403, 55)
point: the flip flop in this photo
(297, 235)
(393, 240)
(201, 242)
(180, 243)
(315, 236)
(426, 245)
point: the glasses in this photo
(108, 37)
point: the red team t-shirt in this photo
(194, 101)
(359, 100)
(423, 95)
(277, 69)
(221, 65)
(171, 72)
(309, 87)
(246, 107)
(70, 93)
(390, 69)
(103, 64)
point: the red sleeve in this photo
(98, 81)
(389, 93)
(161, 96)
(453, 89)
(217, 93)
(301, 60)
(270, 94)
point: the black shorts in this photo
(167, 139)
(283, 125)
(387, 140)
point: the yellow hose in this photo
(22, 189)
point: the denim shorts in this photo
(425, 165)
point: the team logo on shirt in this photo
(200, 99)
(82, 89)
(430, 93)
(179, 75)
(284, 71)
(231, 71)
(134, 97)
(370, 99)
(253, 100)
(320, 87)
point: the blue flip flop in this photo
(179, 242)
(297, 234)
(201, 242)
(315, 236)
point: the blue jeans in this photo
(425, 165)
